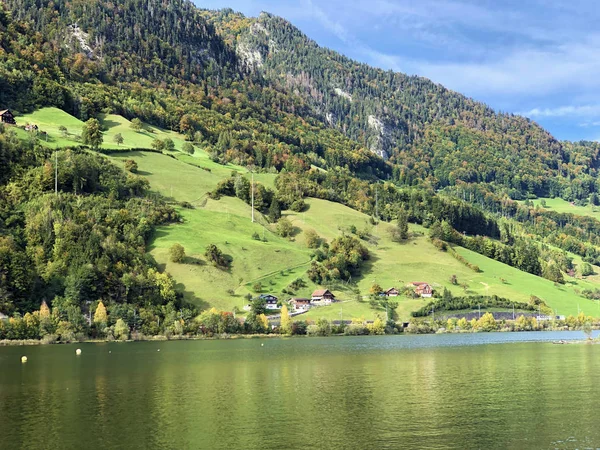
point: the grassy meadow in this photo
(227, 223)
(275, 262)
(562, 206)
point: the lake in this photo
(482, 390)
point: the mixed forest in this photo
(254, 93)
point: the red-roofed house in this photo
(422, 289)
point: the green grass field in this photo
(562, 206)
(226, 223)
(277, 262)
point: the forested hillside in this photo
(430, 132)
(255, 94)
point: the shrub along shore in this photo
(42, 327)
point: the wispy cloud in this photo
(541, 57)
(566, 111)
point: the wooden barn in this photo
(7, 117)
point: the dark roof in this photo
(300, 300)
(267, 296)
(321, 292)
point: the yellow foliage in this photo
(377, 327)
(487, 322)
(44, 310)
(264, 321)
(286, 321)
(100, 316)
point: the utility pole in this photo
(479, 310)
(376, 202)
(252, 190)
(56, 173)
(513, 312)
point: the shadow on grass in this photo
(143, 172)
(194, 260)
(366, 270)
(191, 297)
(108, 124)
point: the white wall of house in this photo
(272, 306)
(301, 307)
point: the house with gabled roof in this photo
(323, 296)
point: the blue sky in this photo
(538, 58)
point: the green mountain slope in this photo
(358, 145)
(278, 262)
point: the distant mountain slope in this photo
(261, 93)
(428, 130)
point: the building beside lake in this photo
(324, 296)
(270, 301)
(422, 289)
(301, 304)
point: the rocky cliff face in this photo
(381, 139)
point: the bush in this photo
(188, 148)
(121, 330)
(136, 124)
(356, 329)
(285, 227)
(586, 269)
(298, 206)
(312, 238)
(299, 328)
(177, 253)
(215, 256)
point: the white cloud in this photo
(566, 111)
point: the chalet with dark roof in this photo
(270, 300)
(391, 292)
(323, 295)
(7, 117)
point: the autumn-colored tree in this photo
(286, 321)
(375, 289)
(377, 327)
(487, 322)
(463, 324)
(100, 316)
(44, 310)
(264, 321)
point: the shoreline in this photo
(162, 338)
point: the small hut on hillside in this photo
(7, 117)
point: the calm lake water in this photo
(443, 391)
